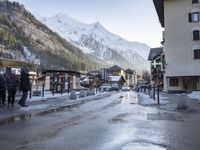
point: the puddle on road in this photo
(52, 111)
(129, 117)
(143, 146)
(120, 118)
(29, 116)
(164, 116)
(16, 118)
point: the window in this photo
(196, 53)
(196, 35)
(173, 81)
(194, 17)
(195, 1)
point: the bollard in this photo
(92, 92)
(88, 93)
(82, 94)
(73, 95)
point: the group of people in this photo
(10, 82)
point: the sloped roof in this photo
(61, 71)
(159, 5)
(115, 68)
(129, 71)
(154, 52)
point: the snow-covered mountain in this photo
(96, 41)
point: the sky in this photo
(134, 20)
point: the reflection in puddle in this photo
(28, 116)
(143, 146)
(16, 118)
(164, 116)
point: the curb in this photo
(28, 115)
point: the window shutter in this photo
(190, 17)
(196, 53)
(194, 1)
(196, 35)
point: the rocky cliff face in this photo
(22, 36)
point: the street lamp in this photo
(37, 63)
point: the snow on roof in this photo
(86, 79)
(115, 78)
(115, 68)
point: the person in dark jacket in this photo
(2, 89)
(12, 84)
(24, 86)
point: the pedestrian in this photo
(12, 85)
(24, 86)
(2, 89)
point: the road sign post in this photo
(158, 84)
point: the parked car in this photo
(125, 88)
(105, 87)
(114, 87)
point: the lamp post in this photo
(37, 63)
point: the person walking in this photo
(2, 89)
(12, 84)
(24, 86)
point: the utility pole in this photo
(154, 92)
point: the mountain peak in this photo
(97, 40)
(98, 25)
(60, 15)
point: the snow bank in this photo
(146, 99)
(35, 107)
(194, 95)
(47, 94)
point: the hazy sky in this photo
(134, 20)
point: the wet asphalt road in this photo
(111, 123)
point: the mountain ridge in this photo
(97, 40)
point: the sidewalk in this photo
(37, 105)
(168, 101)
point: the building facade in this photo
(116, 70)
(131, 77)
(181, 43)
(61, 80)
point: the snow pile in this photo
(34, 107)
(146, 99)
(47, 94)
(194, 95)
